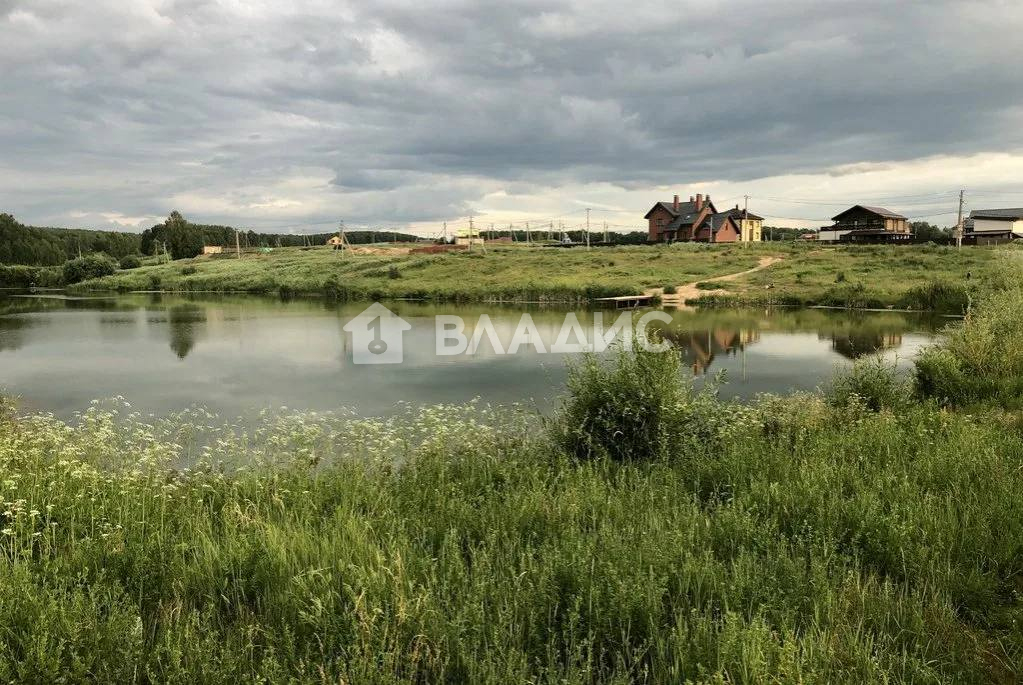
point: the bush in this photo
(670, 290)
(875, 384)
(938, 296)
(393, 272)
(189, 270)
(130, 262)
(639, 405)
(91, 266)
(840, 277)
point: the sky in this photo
(290, 116)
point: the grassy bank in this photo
(645, 534)
(502, 274)
(919, 277)
(923, 277)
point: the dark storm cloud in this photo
(411, 111)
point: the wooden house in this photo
(864, 224)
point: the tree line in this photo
(176, 237)
(36, 246)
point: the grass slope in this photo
(919, 277)
(503, 273)
(910, 277)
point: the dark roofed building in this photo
(697, 220)
(991, 226)
(866, 224)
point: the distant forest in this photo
(47, 246)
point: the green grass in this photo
(907, 277)
(502, 274)
(646, 533)
(917, 277)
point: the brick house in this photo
(694, 221)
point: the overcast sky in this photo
(288, 116)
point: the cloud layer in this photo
(279, 115)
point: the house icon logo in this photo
(377, 336)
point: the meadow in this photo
(872, 532)
(501, 274)
(911, 277)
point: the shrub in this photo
(393, 272)
(624, 409)
(88, 267)
(939, 296)
(155, 282)
(130, 262)
(840, 277)
(638, 405)
(875, 384)
(189, 270)
(670, 290)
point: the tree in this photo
(184, 240)
(90, 266)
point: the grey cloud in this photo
(442, 103)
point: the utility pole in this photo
(445, 232)
(529, 238)
(605, 232)
(470, 232)
(587, 228)
(550, 232)
(745, 219)
(237, 244)
(341, 237)
(710, 238)
(959, 222)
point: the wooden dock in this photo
(627, 301)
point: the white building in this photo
(995, 225)
(830, 235)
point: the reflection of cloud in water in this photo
(238, 354)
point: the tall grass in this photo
(981, 358)
(805, 542)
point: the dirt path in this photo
(689, 291)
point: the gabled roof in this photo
(1007, 214)
(687, 212)
(718, 220)
(737, 213)
(880, 211)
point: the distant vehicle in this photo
(566, 240)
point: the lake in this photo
(238, 354)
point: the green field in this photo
(920, 277)
(647, 533)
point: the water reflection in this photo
(185, 323)
(238, 354)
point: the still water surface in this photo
(239, 354)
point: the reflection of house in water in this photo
(699, 348)
(855, 345)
